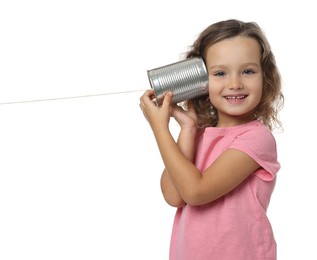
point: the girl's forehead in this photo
(238, 48)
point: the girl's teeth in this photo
(237, 97)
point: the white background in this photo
(79, 178)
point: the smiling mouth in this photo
(240, 97)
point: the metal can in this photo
(186, 79)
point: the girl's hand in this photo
(157, 116)
(186, 117)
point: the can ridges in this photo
(187, 79)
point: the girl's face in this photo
(235, 79)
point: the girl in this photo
(221, 172)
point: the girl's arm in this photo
(159, 118)
(193, 186)
(170, 192)
(185, 143)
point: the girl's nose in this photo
(235, 83)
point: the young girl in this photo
(221, 172)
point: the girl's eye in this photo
(219, 74)
(248, 72)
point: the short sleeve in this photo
(259, 143)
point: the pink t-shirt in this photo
(235, 226)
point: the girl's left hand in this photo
(186, 117)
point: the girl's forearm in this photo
(178, 159)
(185, 142)
(170, 193)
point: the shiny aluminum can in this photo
(186, 79)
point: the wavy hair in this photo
(272, 97)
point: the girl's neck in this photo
(234, 121)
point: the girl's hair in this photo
(272, 98)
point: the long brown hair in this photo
(272, 98)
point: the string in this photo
(69, 97)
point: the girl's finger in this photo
(167, 99)
(148, 95)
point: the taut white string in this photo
(69, 97)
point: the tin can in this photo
(186, 79)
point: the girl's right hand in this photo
(157, 116)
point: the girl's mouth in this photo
(235, 97)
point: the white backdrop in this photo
(79, 177)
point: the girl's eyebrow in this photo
(216, 66)
(252, 64)
(243, 65)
